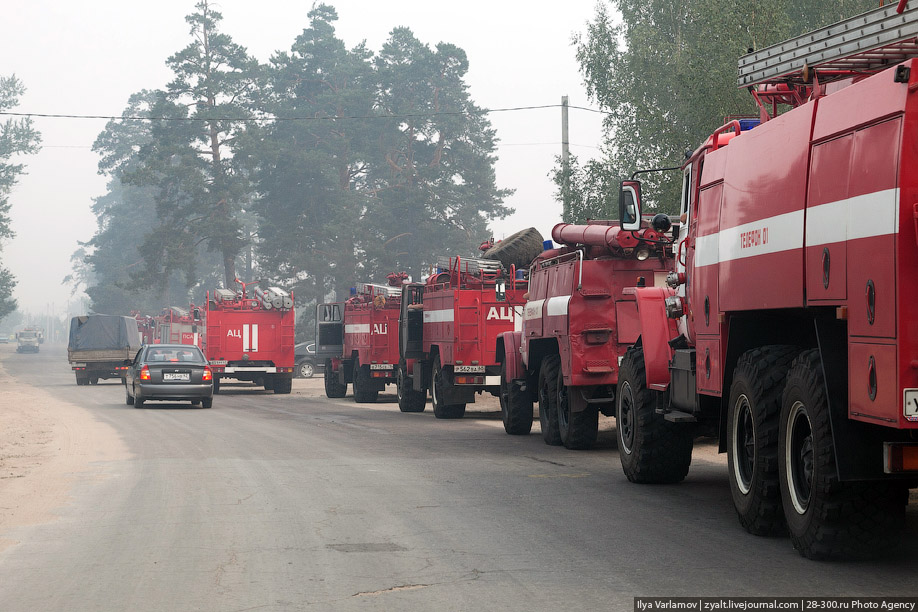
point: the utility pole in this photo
(565, 164)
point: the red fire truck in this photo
(789, 326)
(250, 335)
(179, 326)
(358, 339)
(448, 333)
(577, 323)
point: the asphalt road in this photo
(298, 502)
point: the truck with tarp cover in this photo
(99, 346)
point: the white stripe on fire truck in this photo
(533, 310)
(438, 316)
(558, 305)
(255, 338)
(518, 318)
(765, 236)
(245, 337)
(865, 216)
(357, 328)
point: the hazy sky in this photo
(87, 57)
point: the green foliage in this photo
(354, 194)
(591, 190)
(435, 166)
(17, 137)
(367, 165)
(189, 156)
(665, 72)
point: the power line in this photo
(484, 111)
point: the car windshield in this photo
(188, 355)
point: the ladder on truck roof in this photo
(864, 44)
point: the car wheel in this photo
(305, 369)
(207, 402)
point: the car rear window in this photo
(173, 355)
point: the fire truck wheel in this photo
(364, 392)
(752, 427)
(578, 430)
(282, 386)
(438, 390)
(651, 449)
(515, 406)
(827, 518)
(409, 400)
(333, 388)
(548, 399)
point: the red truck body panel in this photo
(245, 340)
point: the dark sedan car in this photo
(306, 365)
(171, 372)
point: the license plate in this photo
(381, 366)
(177, 376)
(218, 362)
(463, 369)
(911, 404)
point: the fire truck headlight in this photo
(642, 253)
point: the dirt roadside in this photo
(44, 443)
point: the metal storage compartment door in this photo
(826, 220)
(872, 214)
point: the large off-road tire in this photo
(282, 386)
(305, 369)
(438, 384)
(409, 400)
(518, 249)
(651, 449)
(548, 399)
(827, 518)
(515, 406)
(752, 430)
(364, 391)
(578, 430)
(333, 388)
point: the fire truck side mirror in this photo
(500, 290)
(629, 205)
